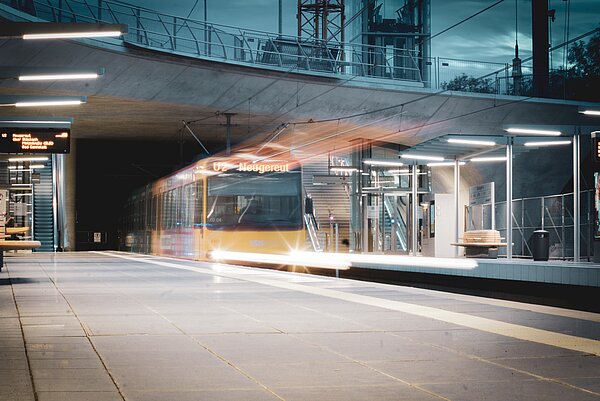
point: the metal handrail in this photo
(163, 31)
(312, 233)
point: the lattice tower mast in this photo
(321, 20)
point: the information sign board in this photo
(35, 140)
(481, 194)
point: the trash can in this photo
(540, 245)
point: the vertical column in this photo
(426, 43)
(70, 169)
(576, 196)
(415, 210)
(509, 196)
(456, 204)
(356, 197)
(280, 20)
(539, 28)
(63, 189)
(58, 190)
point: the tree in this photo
(467, 83)
(582, 79)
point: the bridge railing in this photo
(186, 36)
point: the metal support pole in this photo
(576, 198)
(509, 195)
(280, 30)
(205, 30)
(415, 211)
(228, 139)
(456, 205)
(61, 239)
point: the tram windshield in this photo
(254, 200)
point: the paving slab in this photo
(107, 328)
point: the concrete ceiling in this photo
(146, 95)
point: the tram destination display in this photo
(35, 140)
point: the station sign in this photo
(35, 140)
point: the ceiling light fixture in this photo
(45, 122)
(423, 157)
(488, 159)
(48, 77)
(529, 131)
(343, 169)
(49, 103)
(375, 162)
(444, 164)
(471, 142)
(28, 159)
(547, 143)
(72, 35)
(591, 112)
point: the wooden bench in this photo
(481, 243)
(16, 230)
(15, 245)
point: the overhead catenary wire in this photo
(462, 21)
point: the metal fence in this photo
(551, 213)
(185, 36)
(151, 29)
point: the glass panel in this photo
(198, 203)
(248, 200)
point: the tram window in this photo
(188, 203)
(172, 209)
(166, 214)
(198, 203)
(254, 200)
(153, 213)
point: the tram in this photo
(237, 203)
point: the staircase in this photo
(43, 216)
(328, 200)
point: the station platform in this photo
(107, 326)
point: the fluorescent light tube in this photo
(423, 157)
(58, 77)
(375, 162)
(533, 131)
(444, 164)
(488, 159)
(72, 35)
(471, 142)
(49, 103)
(548, 143)
(35, 122)
(591, 112)
(28, 159)
(343, 169)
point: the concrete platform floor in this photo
(111, 326)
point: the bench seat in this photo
(481, 243)
(15, 245)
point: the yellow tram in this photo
(238, 203)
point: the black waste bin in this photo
(540, 245)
